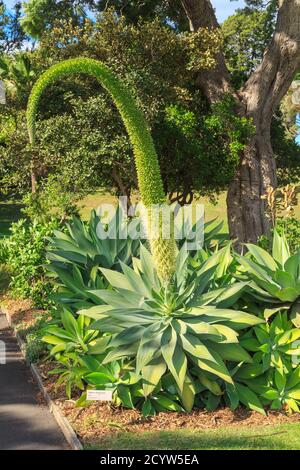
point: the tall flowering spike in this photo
(148, 172)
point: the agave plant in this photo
(274, 279)
(176, 328)
(284, 392)
(189, 231)
(273, 344)
(73, 336)
(74, 257)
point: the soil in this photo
(101, 420)
(98, 420)
(21, 312)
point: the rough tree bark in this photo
(258, 100)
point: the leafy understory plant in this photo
(148, 172)
(274, 279)
(172, 329)
(273, 378)
(284, 393)
(74, 335)
(273, 344)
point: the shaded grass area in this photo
(4, 278)
(280, 437)
(10, 211)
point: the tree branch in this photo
(271, 80)
(214, 82)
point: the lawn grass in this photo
(211, 211)
(279, 437)
(10, 211)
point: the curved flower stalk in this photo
(148, 172)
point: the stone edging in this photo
(62, 422)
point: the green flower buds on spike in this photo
(148, 171)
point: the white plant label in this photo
(99, 395)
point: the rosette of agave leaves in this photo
(274, 278)
(187, 329)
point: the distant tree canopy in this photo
(12, 35)
(246, 36)
(40, 15)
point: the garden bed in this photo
(100, 424)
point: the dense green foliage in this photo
(195, 343)
(176, 329)
(25, 255)
(76, 254)
(291, 229)
(40, 15)
(275, 279)
(160, 78)
(146, 160)
(246, 36)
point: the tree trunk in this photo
(124, 190)
(246, 210)
(258, 100)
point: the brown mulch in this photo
(99, 420)
(21, 312)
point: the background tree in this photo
(40, 15)
(12, 36)
(133, 10)
(246, 36)
(257, 99)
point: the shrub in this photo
(187, 345)
(175, 329)
(4, 278)
(26, 256)
(181, 335)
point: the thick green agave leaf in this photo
(206, 359)
(188, 393)
(235, 318)
(273, 279)
(174, 356)
(280, 250)
(232, 352)
(262, 257)
(249, 399)
(152, 373)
